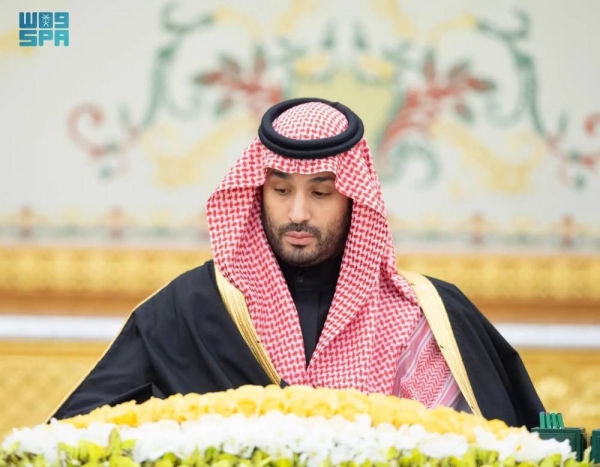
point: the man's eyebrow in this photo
(319, 179)
(322, 178)
(281, 175)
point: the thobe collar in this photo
(322, 275)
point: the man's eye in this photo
(281, 191)
(320, 194)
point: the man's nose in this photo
(299, 211)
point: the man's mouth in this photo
(299, 238)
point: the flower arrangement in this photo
(273, 427)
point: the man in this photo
(304, 290)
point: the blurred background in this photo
(483, 117)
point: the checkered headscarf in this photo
(374, 311)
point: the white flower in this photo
(314, 439)
(440, 446)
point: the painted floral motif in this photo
(418, 100)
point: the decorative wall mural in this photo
(457, 107)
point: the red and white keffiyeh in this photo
(374, 311)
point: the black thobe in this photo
(182, 340)
(312, 289)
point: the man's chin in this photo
(298, 256)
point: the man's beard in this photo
(329, 243)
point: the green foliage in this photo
(118, 454)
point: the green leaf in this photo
(208, 79)
(464, 112)
(283, 463)
(223, 106)
(170, 457)
(224, 456)
(571, 463)
(452, 462)
(490, 457)
(260, 61)
(210, 455)
(230, 64)
(392, 453)
(114, 438)
(470, 458)
(481, 85)
(459, 69)
(528, 464)
(429, 67)
(122, 461)
(128, 445)
(580, 182)
(328, 42)
(563, 123)
(193, 459)
(551, 461)
(67, 449)
(360, 40)
(224, 463)
(124, 116)
(11, 449)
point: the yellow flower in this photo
(407, 412)
(122, 414)
(324, 402)
(247, 399)
(442, 420)
(149, 411)
(298, 397)
(220, 403)
(274, 398)
(352, 403)
(193, 406)
(303, 401)
(379, 409)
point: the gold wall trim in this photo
(110, 281)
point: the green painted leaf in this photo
(230, 64)
(223, 106)
(260, 61)
(429, 65)
(360, 39)
(563, 123)
(328, 41)
(208, 79)
(459, 70)
(481, 85)
(464, 112)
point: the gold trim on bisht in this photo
(427, 295)
(437, 317)
(235, 303)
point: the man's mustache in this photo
(314, 231)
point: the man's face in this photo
(305, 218)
